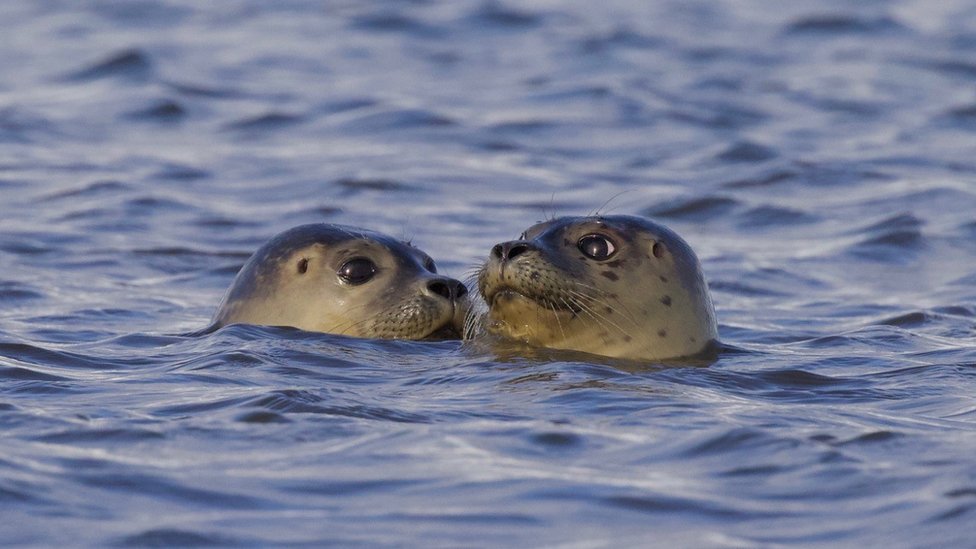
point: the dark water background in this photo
(821, 158)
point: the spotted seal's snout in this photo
(619, 286)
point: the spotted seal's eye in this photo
(596, 246)
(303, 265)
(429, 265)
(357, 271)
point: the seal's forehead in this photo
(626, 224)
(628, 227)
(329, 236)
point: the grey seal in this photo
(343, 280)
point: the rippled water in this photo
(821, 158)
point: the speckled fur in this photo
(631, 305)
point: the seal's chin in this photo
(506, 296)
(447, 331)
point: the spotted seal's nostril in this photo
(447, 288)
(509, 250)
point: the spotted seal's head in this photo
(343, 280)
(620, 286)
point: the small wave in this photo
(497, 14)
(914, 319)
(18, 125)
(837, 24)
(963, 117)
(774, 216)
(889, 239)
(201, 90)
(747, 151)
(26, 374)
(836, 174)
(396, 119)
(294, 401)
(172, 537)
(722, 115)
(13, 291)
(74, 435)
(95, 189)
(729, 441)
(670, 505)
(39, 356)
(396, 22)
(740, 288)
(266, 122)
(180, 172)
(364, 184)
(872, 437)
(129, 63)
(619, 38)
(135, 483)
(963, 69)
(165, 110)
(694, 208)
(523, 126)
(767, 180)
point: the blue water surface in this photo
(820, 158)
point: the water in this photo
(818, 158)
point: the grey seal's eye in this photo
(658, 250)
(302, 265)
(596, 246)
(357, 271)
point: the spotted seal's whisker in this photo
(558, 322)
(599, 317)
(625, 314)
(622, 305)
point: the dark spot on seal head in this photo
(616, 263)
(664, 279)
(628, 339)
(567, 242)
(610, 274)
(302, 265)
(609, 310)
(535, 275)
(662, 333)
(666, 300)
(693, 339)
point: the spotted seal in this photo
(615, 285)
(343, 280)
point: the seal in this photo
(343, 280)
(619, 286)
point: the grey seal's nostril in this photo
(447, 288)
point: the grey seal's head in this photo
(343, 280)
(614, 285)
